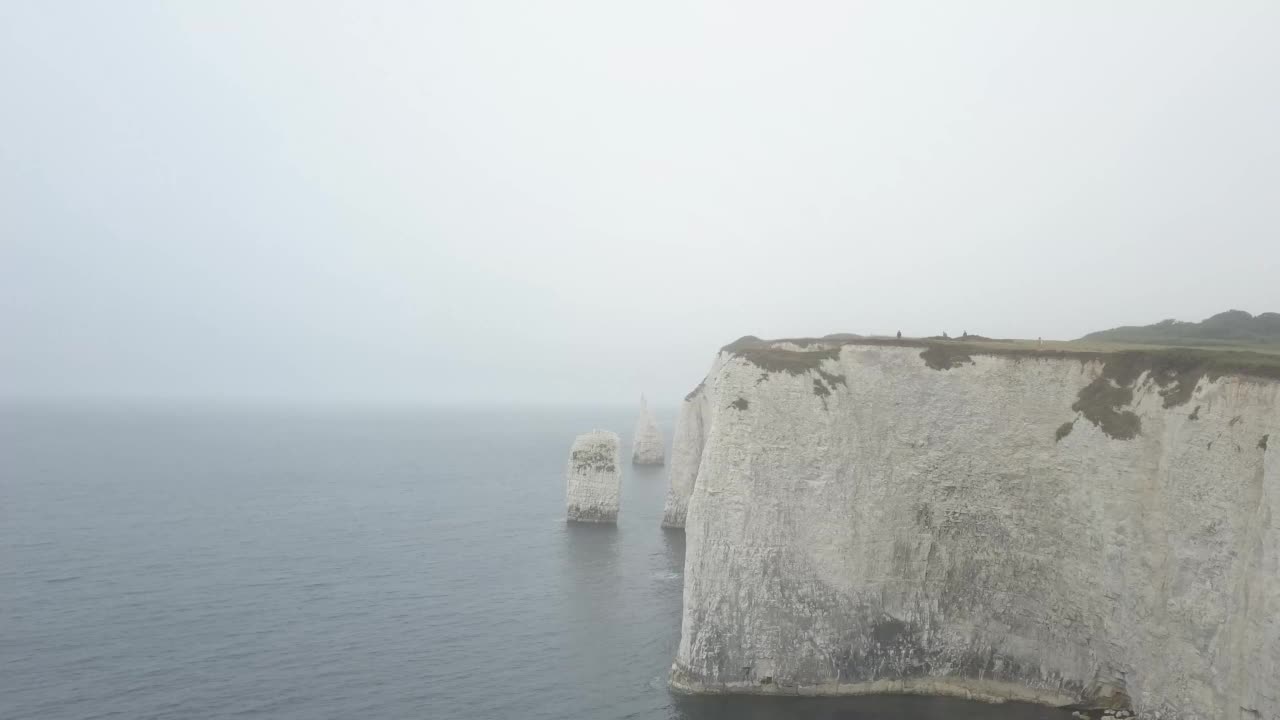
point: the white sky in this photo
(529, 202)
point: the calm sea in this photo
(192, 564)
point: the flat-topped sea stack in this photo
(991, 520)
(646, 446)
(593, 478)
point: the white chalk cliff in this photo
(686, 455)
(1065, 528)
(646, 445)
(593, 478)
(686, 451)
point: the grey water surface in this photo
(217, 563)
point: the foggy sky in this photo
(533, 202)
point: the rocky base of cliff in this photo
(991, 691)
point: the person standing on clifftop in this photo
(899, 334)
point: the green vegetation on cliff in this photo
(1170, 363)
(1234, 327)
(1175, 370)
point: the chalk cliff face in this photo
(593, 478)
(686, 455)
(878, 517)
(686, 450)
(646, 445)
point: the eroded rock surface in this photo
(593, 478)
(686, 456)
(897, 518)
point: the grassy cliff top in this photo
(944, 354)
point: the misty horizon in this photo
(496, 203)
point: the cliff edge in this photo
(1082, 528)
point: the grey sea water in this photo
(213, 563)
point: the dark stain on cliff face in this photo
(739, 404)
(1064, 430)
(886, 648)
(1101, 401)
(1195, 414)
(893, 649)
(945, 357)
(831, 379)
(890, 631)
(1176, 375)
(593, 459)
(1262, 444)
(825, 384)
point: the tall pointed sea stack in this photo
(593, 478)
(646, 446)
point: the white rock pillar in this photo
(646, 445)
(593, 478)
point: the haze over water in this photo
(203, 564)
(480, 203)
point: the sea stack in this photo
(646, 446)
(593, 475)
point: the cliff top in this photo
(596, 437)
(798, 355)
(1175, 371)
